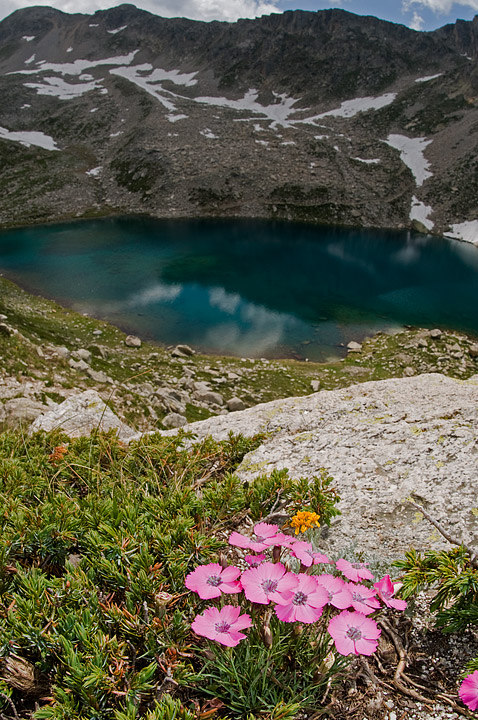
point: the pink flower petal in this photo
(468, 691)
(307, 613)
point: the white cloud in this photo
(227, 10)
(439, 6)
(416, 22)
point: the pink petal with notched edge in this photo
(307, 614)
(285, 613)
(265, 529)
(239, 540)
(468, 691)
(230, 573)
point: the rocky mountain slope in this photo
(325, 116)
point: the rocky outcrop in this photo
(382, 442)
(80, 415)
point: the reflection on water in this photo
(248, 287)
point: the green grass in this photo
(95, 543)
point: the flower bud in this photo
(267, 636)
(223, 561)
(276, 553)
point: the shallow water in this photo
(246, 287)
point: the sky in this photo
(417, 14)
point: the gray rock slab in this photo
(132, 341)
(81, 414)
(381, 441)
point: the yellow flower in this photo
(303, 520)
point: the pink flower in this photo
(304, 552)
(265, 582)
(363, 599)
(338, 592)
(254, 560)
(304, 603)
(468, 691)
(266, 535)
(222, 625)
(354, 633)
(353, 571)
(385, 590)
(209, 581)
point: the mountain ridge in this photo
(324, 116)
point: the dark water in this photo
(248, 287)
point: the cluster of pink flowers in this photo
(297, 597)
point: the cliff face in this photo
(325, 116)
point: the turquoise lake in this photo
(245, 287)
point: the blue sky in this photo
(418, 14)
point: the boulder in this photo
(82, 354)
(315, 385)
(235, 404)
(78, 364)
(353, 346)
(473, 350)
(20, 410)
(174, 420)
(62, 352)
(81, 414)
(210, 397)
(435, 334)
(182, 351)
(132, 341)
(99, 376)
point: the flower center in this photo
(354, 634)
(269, 586)
(299, 598)
(214, 580)
(356, 597)
(222, 627)
(259, 539)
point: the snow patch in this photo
(151, 82)
(94, 172)
(29, 138)
(208, 134)
(466, 231)
(116, 134)
(78, 66)
(56, 87)
(30, 59)
(70, 49)
(175, 118)
(350, 108)
(117, 30)
(28, 38)
(373, 161)
(428, 77)
(420, 212)
(278, 112)
(411, 154)
(289, 142)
